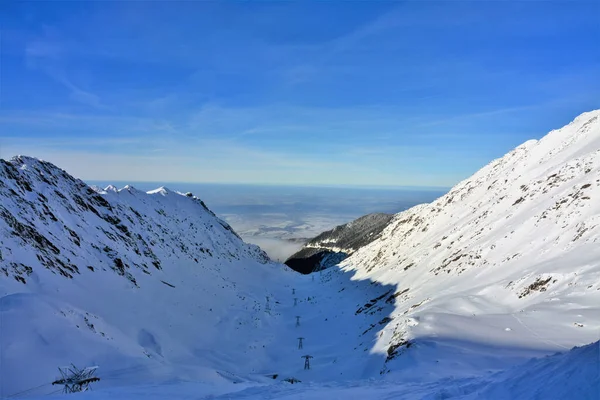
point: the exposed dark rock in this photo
(311, 260)
(332, 247)
(394, 350)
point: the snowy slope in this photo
(152, 287)
(508, 259)
(152, 284)
(573, 375)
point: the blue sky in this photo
(352, 93)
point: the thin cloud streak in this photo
(402, 94)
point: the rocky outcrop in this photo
(333, 246)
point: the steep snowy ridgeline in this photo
(145, 285)
(331, 247)
(55, 221)
(509, 259)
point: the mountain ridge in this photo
(457, 293)
(108, 211)
(531, 212)
(122, 279)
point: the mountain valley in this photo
(470, 296)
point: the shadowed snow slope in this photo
(572, 375)
(153, 287)
(453, 299)
(124, 279)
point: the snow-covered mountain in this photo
(510, 256)
(451, 299)
(331, 247)
(127, 280)
(47, 214)
(153, 288)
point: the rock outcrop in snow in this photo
(333, 246)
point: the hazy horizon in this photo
(173, 184)
(281, 218)
(311, 93)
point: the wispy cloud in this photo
(76, 93)
(405, 93)
(470, 117)
(49, 55)
(207, 148)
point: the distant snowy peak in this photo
(163, 191)
(50, 220)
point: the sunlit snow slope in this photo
(508, 260)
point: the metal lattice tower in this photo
(295, 301)
(307, 361)
(300, 339)
(293, 291)
(297, 320)
(76, 380)
(268, 306)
